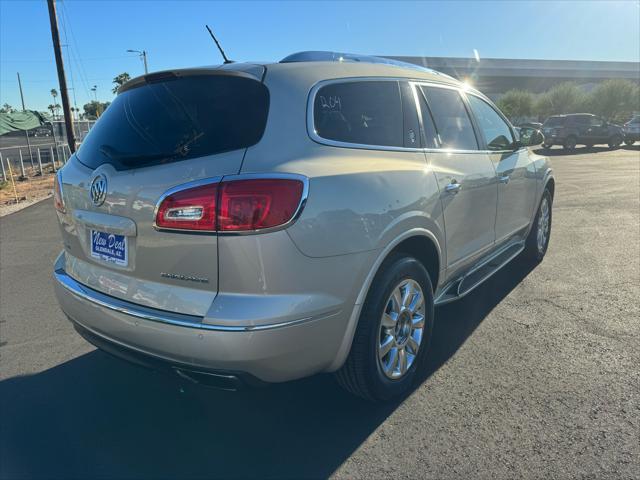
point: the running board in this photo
(478, 274)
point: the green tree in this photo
(53, 109)
(563, 98)
(94, 109)
(6, 108)
(615, 99)
(120, 80)
(516, 104)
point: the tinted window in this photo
(496, 132)
(367, 112)
(451, 118)
(177, 119)
(595, 122)
(554, 122)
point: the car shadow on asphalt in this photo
(581, 150)
(97, 416)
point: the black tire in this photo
(570, 142)
(546, 147)
(615, 141)
(532, 250)
(629, 142)
(589, 146)
(362, 373)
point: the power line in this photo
(75, 52)
(66, 41)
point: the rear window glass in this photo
(176, 119)
(368, 113)
(554, 121)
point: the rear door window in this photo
(451, 118)
(360, 112)
(177, 118)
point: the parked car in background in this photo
(42, 132)
(253, 223)
(580, 129)
(631, 130)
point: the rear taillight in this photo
(58, 201)
(255, 204)
(232, 205)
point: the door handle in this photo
(453, 188)
(504, 179)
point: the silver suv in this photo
(256, 223)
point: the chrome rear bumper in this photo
(275, 352)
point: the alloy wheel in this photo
(401, 329)
(543, 225)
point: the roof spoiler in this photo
(252, 72)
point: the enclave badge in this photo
(98, 190)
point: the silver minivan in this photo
(252, 223)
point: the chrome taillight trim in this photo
(229, 178)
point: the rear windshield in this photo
(554, 121)
(176, 119)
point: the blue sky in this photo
(98, 33)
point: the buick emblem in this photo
(98, 190)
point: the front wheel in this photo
(393, 333)
(629, 142)
(538, 239)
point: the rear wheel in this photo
(570, 142)
(393, 334)
(538, 240)
(546, 147)
(629, 142)
(615, 141)
(589, 146)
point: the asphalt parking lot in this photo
(533, 375)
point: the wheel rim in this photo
(571, 143)
(401, 329)
(543, 225)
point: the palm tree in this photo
(57, 107)
(120, 80)
(54, 94)
(52, 108)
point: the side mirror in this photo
(530, 137)
(536, 138)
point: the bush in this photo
(615, 99)
(516, 104)
(563, 98)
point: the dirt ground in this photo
(29, 191)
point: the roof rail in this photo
(323, 56)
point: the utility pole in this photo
(26, 132)
(143, 55)
(55, 36)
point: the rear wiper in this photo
(137, 157)
(181, 151)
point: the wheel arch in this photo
(412, 243)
